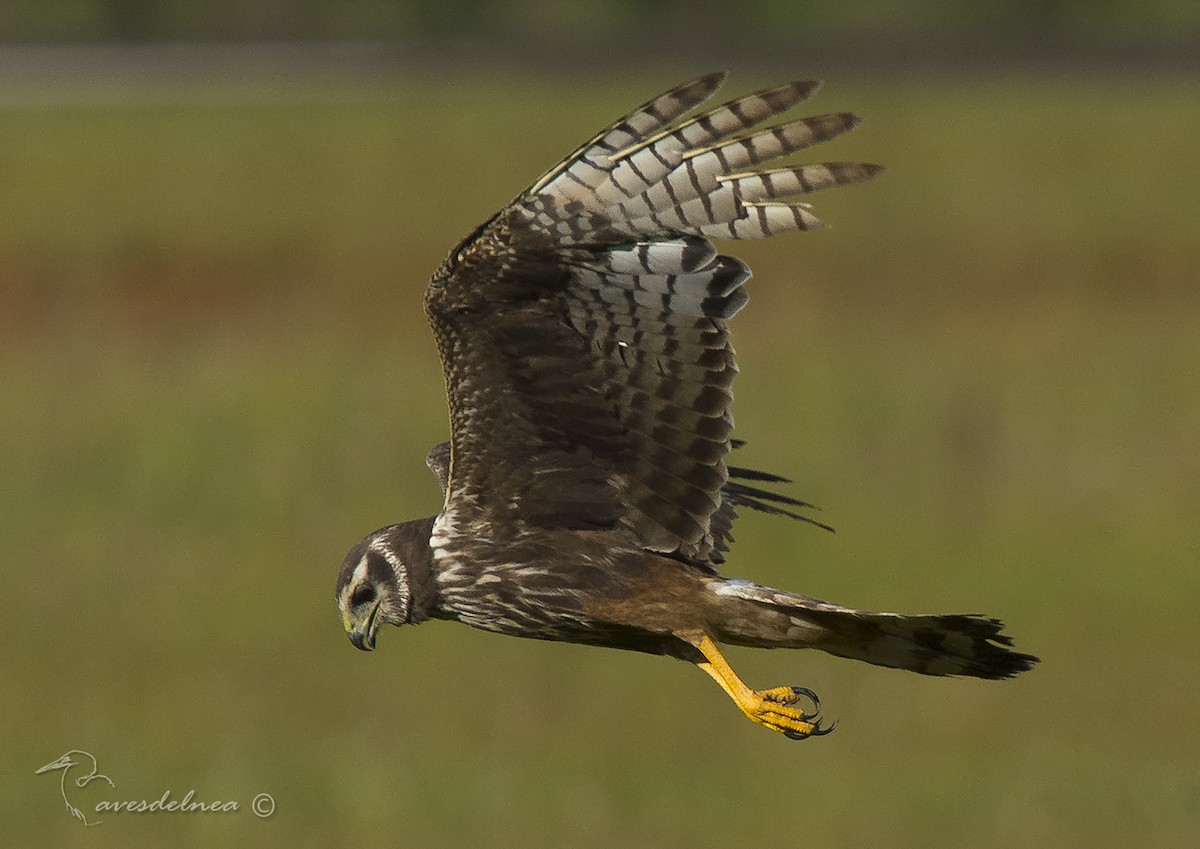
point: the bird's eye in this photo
(362, 595)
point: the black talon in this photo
(812, 697)
(821, 732)
(817, 731)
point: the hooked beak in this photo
(364, 638)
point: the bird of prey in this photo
(583, 334)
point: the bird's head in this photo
(373, 586)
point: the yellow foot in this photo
(771, 708)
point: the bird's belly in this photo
(520, 599)
(593, 598)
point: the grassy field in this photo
(215, 377)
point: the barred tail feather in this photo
(956, 644)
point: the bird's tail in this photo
(958, 644)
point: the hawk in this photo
(584, 341)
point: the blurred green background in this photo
(215, 376)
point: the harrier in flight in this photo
(583, 333)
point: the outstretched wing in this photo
(582, 330)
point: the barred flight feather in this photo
(640, 123)
(653, 158)
(613, 243)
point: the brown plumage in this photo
(583, 333)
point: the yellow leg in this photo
(772, 708)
